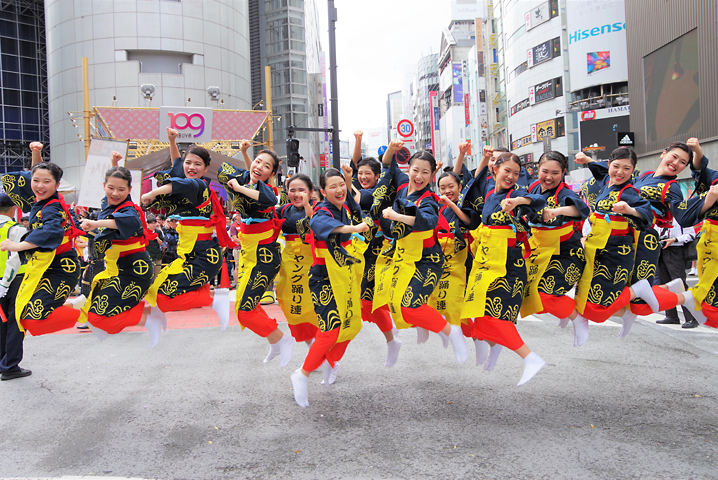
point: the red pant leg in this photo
(424, 317)
(381, 316)
(468, 327)
(257, 321)
(303, 331)
(498, 331)
(117, 323)
(323, 343)
(337, 352)
(195, 299)
(61, 318)
(711, 314)
(599, 313)
(559, 306)
(666, 301)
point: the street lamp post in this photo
(333, 80)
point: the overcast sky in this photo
(375, 38)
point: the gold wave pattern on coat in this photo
(645, 269)
(100, 304)
(168, 288)
(494, 307)
(432, 279)
(711, 296)
(408, 297)
(573, 274)
(325, 296)
(333, 320)
(116, 311)
(63, 291)
(556, 265)
(511, 313)
(420, 300)
(519, 263)
(260, 281)
(46, 286)
(595, 294)
(132, 291)
(547, 284)
(621, 275)
(251, 303)
(600, 270)
(33, 310)
(518, 288)
(500, 282)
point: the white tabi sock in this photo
(493, 357)
(580, 330)
(422, 335)
(628, 320)
(286, 347)
(392, 354)
(676, 286)
(153, 324)
(461, 351)
(532, 364)
(444, 339)
(300, 386)
(482, 351)
(643, 291)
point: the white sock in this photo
(79, 302)
(99, 333)
(300, 386)
(643, 291)
(422, 335)
(326, 371)
(628, 319)
(392, 354)
(220, 304)
(461, 351)
(444, 339)
(153, 324)
(333, 372)
(482, 351)
(689, 303)
(699, 316)
(274, 351)
(493, 357)
(676, 286)
(563, 323)
(395, 332)
(286, 347)
(532, 364)
(580, 330)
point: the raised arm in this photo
(463, 148)
(36, 149)
(394, 146)
(356, 156)
(697, 152)
(243, 147)
(487, 154)
(172, 137)
(115, 159)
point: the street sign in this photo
(405, 128)
(402, 156)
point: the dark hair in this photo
(449, 174)
(372, 163)
(54, 170)
(150, 218)
(681, 146)
(501, 149)
(121, 173)
(328, 173)
(201, 152)
(624, 152)
(274, 156)
(319, 192)
(555, 157)
(506, 157)
(426, 156)
(300, 176)
(161, 217)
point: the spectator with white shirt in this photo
(672, 265)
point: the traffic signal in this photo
(293, 152)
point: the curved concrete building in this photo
(182, 48)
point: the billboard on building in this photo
(466, 9)
(597, 51)
(601, 127)
(671, 90)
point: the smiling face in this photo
(43, 184)
(620, 171)
(506, 174)
(315, 196)
(193, 166)
(550, 174)
(262, 168)
(673, 162)
(367, 177)
(335, 190)
(420, 173)
(449, 187)
(296, 188)
(116, 190)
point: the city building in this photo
(180, 48)
(394, 112)
(427, 81)
(493, 48)
(23, 79)
(672, 66)
(534, 75)
(284, 35)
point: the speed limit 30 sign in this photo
(405, 128)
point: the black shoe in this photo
(668, 321)
(84, 326)
(692, 323)
(13, 374)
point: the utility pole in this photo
(333, 80)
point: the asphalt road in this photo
(203, 406)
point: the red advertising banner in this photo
(467, 114)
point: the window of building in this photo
(159, 61)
